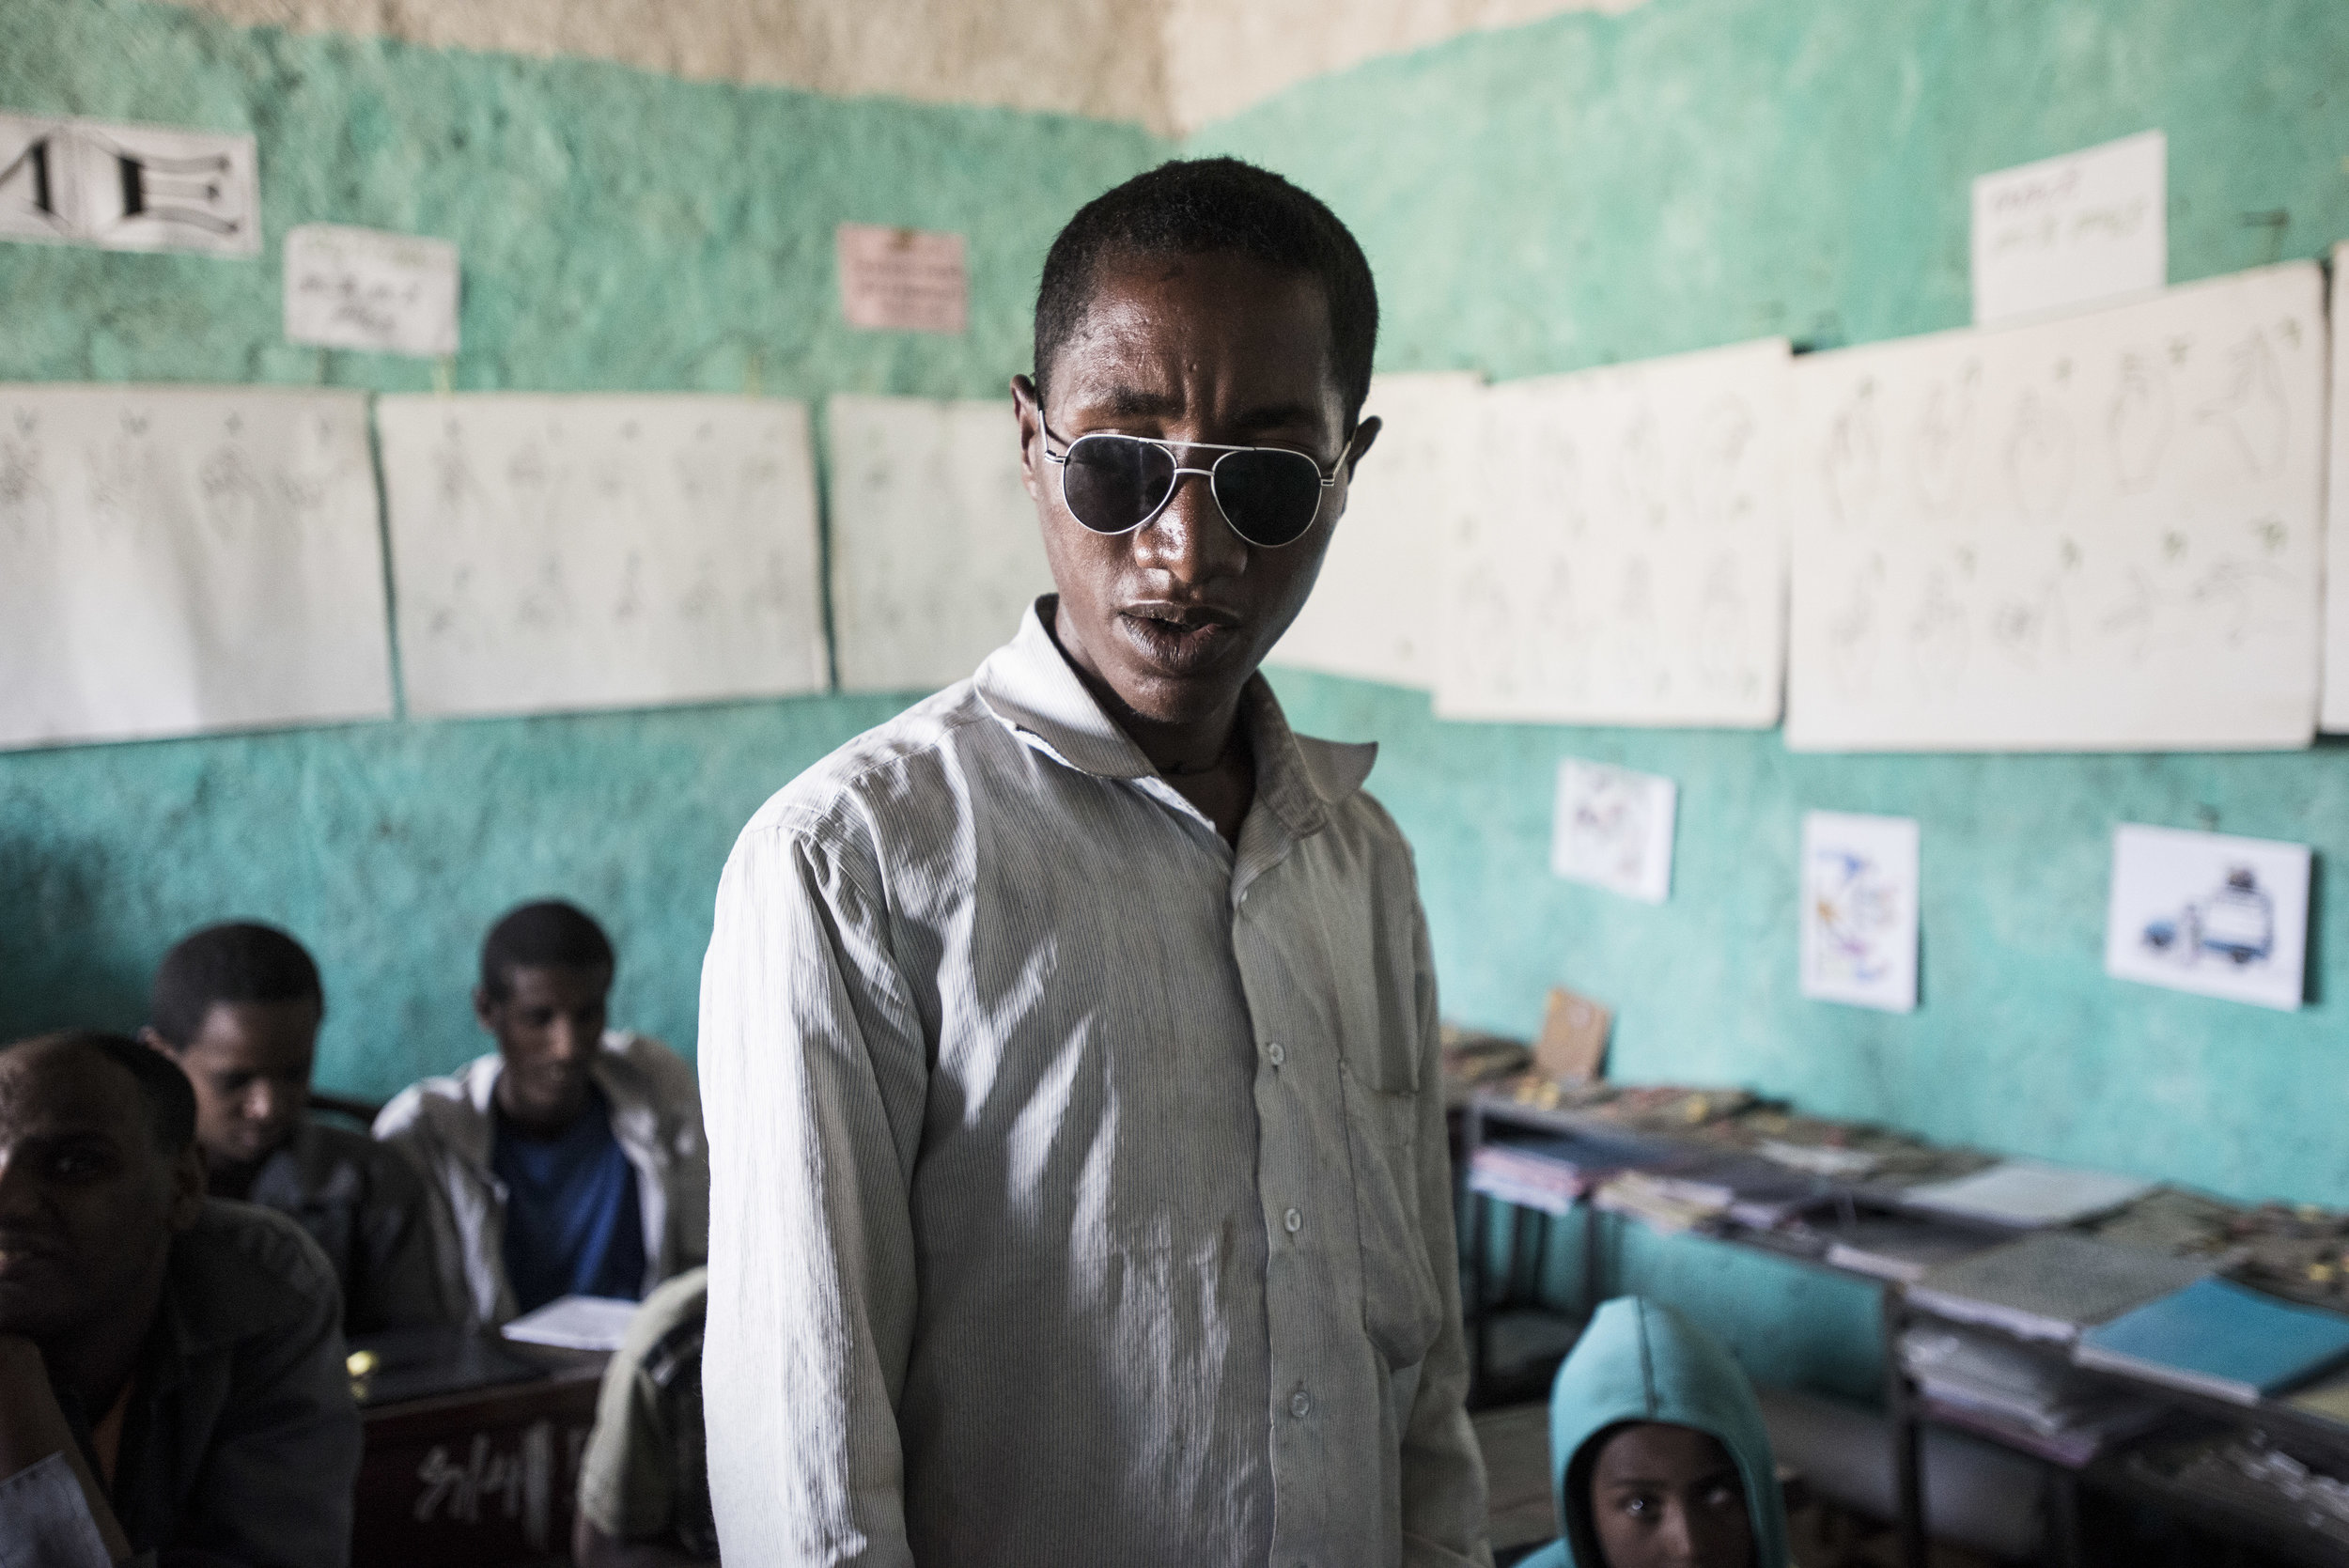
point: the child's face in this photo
(1669, 1497)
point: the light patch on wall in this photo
(1171, 65)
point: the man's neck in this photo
(1206, 759)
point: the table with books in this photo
(2142, 1342)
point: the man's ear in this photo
(485, 1009)
(156, 1043)
(187, 1185)
(1365, 433)
(1029, 409)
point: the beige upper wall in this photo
(1173, 65)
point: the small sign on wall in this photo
(363, 288)
(2203, 912)
(1859, 910)
(1613, 829)
(129, 187)
(2083, 230)
(907, 278)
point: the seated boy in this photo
(570, 1160)
(238, 1008)
(171, 1366)
(1657, 1451)
(644, 1488)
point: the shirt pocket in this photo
(1402, 1310)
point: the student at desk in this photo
(570, 1160)
(238, 1008)
(643, 1486)
(171, 1365)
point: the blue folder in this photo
(2218, 1338)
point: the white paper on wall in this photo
(2085, 228)
(2099, 533)
(2205, 912)
(129, 187)
(1859, 910)
(936, 551)
(561, 552)
(363, 288)
(180, 559)
(1627, 566)
(1370, 615)
(2336, 704)
(1614, 829)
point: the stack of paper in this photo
(2216, 1338)
(1650, 1199)
(1751, 1191)
(1553, 1173)
(2020, 1397)
(2050, 1285)
(2028, 1193)
(575, 1323)
(1900, 1247)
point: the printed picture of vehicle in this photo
(2237, 921)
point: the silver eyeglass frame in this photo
(1060, 460)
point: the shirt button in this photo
(1299, 1406)
(1276, 1052)
(1294, 1221)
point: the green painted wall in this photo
(1585, 191)
(619, 230)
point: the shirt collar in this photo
(1030, 685)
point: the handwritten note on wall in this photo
(936, 551)
(362, 289)
(1627, 562)
(556, 553)
(2095, 533)
(2085, 228)
(907, 278)
(175, 560)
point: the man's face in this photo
(1670, 1497)
(547, 1026)
(249, 1063)
(1176, 615)
(88, 1201)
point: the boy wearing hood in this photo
(1658, 1457)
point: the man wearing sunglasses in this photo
(1068, 1043)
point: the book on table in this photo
(2217, 1338)
(2050, 1284)
(2028, 1193)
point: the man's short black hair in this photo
(548, 935)
(170, 1098)
(1196, 205)
(239, 961)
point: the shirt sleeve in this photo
(624, 1487)
(279, 1468)
(45, 1521)
(1443, 1470)
(814, 1072)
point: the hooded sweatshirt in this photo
(1642, 1361)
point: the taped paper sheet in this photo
(1859, 910)
(936, 551)
(1371, 615)
(175, 560)
(363, 288)
(1629, 564)
(554, 553)
(2099, 533)
(1613, 829)
(2336, 716)
(2209, 913)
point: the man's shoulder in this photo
(670, 1321)
(654, 1063)
(330, 1158)
(431, 1106)
(925, 739)
(243, 1272)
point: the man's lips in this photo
(1179, 638)
(17, 1250)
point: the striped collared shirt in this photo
(1081, 1194)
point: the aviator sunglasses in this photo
(1113, 484)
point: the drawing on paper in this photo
(936, 553)
(1627, 562)
(2097, 532)
(1411, 499)
(1859, 910)
(2203, 912)
(1613, 829)
(554, 553)
(187, 559)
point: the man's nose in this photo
(1189, 540)
(264, 1101)
(1676, 1538)
(569, 1040)
(20, 1194)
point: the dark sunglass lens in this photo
(1269, 496)
(1112, 483)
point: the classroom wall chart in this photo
(1374, 614)
(2094, 533)
(1629, 564)
(935, 550)
(556, 553)
(175, 560)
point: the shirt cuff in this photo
(45, 1521)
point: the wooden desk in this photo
(482, 1479)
